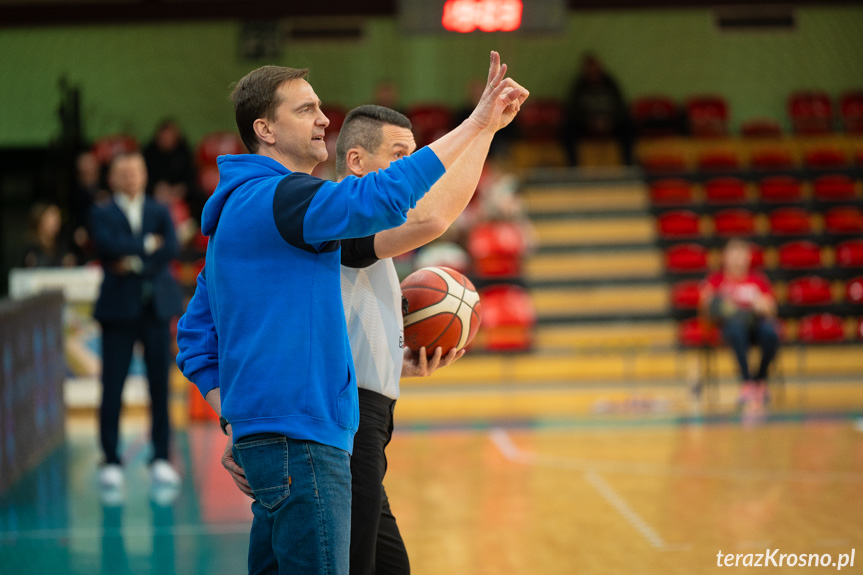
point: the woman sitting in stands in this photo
(741, 302)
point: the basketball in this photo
(443, 309)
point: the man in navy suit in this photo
(135, 241)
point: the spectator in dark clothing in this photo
(171, 172)
(47, 247)
(596, 109)
(86, 191)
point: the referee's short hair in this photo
(363, 127)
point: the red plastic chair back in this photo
(678, 224)
(809, 290)
(430, 122)
(851, 108)
(694, 332)
(849, 254)
(854, 290)
(708, 116)
(799, 255)
(725, 191)
(790, 222)
(496, 249)
(686, 258)
(771, 159)
(655, 116)
(718, 161)
(671, 192)
(780, 189)
(844, 220)
(761, 128)
(685, 295)
(106, 147)
(811, 113)
(825, 158)
(540, 120)
(218, 144)
(821, 328)
(834, 188)
(508, 318)
(734, 223)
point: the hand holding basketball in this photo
(443, 309)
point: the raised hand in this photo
(501, 99)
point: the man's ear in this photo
(354, 161)
(264, 131)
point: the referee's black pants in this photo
(118, 341)
(376, 543)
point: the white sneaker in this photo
(111, 476)
(163, 473)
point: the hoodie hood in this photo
(234, 171)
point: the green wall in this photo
(133, 75)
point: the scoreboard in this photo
(481, 16)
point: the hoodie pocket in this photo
(348, 405)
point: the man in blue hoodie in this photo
(264, 337)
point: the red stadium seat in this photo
(685, 295)
(655, 116)
(859, 329)
(666, 161)
(799, 255)
(678, 224)
(780, 189)
(671, 192)
(825, 158)
(708, 116)
(336, 115)
(718, 160)
(540, 120)
(695, 332)
(834, 188)
(844, 220)
(508, 318)
(821, 328)
(761, 128)
(811, 113)
(496, 249)
(849, 254)
(430, 122)
(734, 223)
(851, 108)
(106, 147)
(772, 159)
(686, 258)
(809, 290)
(725, 191)
(854, 291)
(790, 222)
(218, 144)
(208, 179)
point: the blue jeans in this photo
(302, 507)
(740, 333)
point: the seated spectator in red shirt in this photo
(741, 302)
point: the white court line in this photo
(511, 451)
(622, 507)
(501, 439)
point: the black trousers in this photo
(118, 341)
(376, 543)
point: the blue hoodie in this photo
(266, 324)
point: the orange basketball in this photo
(443, 309)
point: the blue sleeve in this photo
(313, 214)
(197, 340)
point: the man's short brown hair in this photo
(255, 96)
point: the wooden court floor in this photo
(598, 496)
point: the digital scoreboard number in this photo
(481, 16)
(485, 15)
